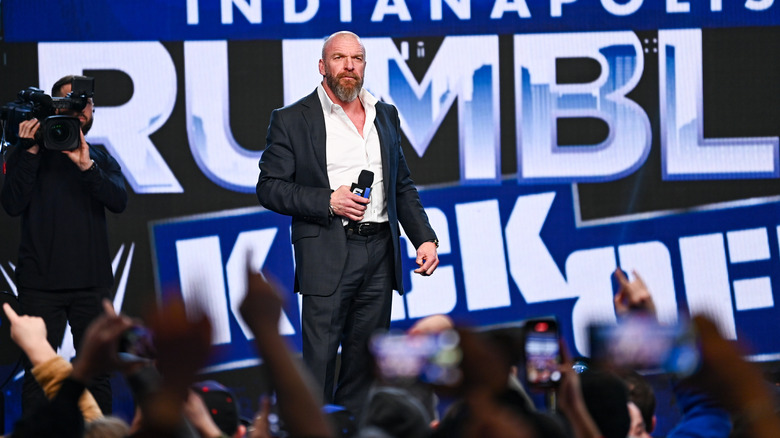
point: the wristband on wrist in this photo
(27, 143)
(92, 167)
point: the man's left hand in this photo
(80, 155)
(427, 259)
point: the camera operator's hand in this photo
(27, 131)
(80, 155)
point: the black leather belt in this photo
(367, 228)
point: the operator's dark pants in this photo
(57, 307)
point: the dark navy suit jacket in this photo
(294, 181)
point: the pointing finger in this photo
(621, 277)
(108, 308)
(10, 313)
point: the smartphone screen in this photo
(642, 344)
(542, 353)
(136, 344)
(428, 358)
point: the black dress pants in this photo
(58, 307)
(360, 306)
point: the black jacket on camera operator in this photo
(64, 266)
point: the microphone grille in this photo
(366, 178)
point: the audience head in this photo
(341, 419)
(221, 403)
(431, 324)
(641, 393)
(397, 413)
(606, 398)
(107, 427)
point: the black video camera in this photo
(58, 132)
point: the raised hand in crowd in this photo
(298, 408)
(49, 369)
(723, 375)
(632, 296)
(62, 416)
(196, 412)
(182, 344)
(737, 384)
(260, 427)
(491, 419)
(431, 324)
(572, 404)
(29, 333)
(100, 350)
(487, 406)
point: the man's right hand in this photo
(347, 204)
(28, 129)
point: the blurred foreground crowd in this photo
(726, 396)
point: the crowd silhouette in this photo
(726, 396)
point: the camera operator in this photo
(64, 268)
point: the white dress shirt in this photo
(348, 153)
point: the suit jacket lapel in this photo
(315, 120)
(385, 144)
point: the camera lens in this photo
(59, 132)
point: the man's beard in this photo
(87, 123)
(344, 93)
(87, 126)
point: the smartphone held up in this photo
(425, 358)
(542, 353)
(642, 344)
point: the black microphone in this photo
(361, 188)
